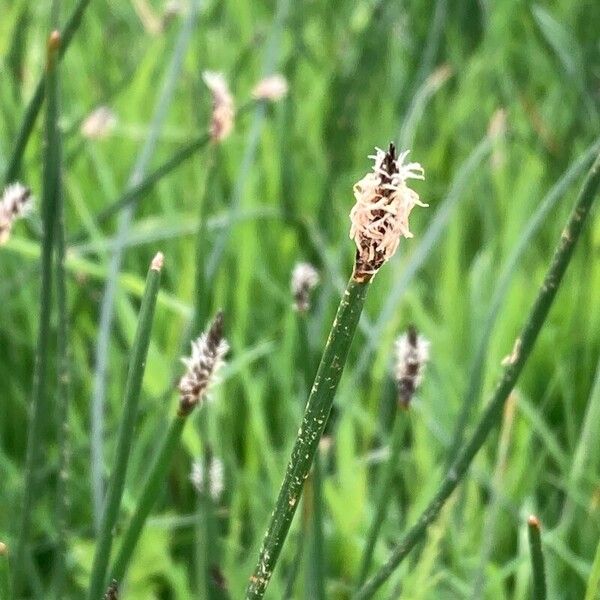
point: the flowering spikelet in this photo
(273, 88)
(112, 593)
(99, 123)
(304, 280)
(380, 216)
(16, 202)
(412, 354)
(216, 480)
(223, 111)
(206, 359)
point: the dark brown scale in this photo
(407, 384)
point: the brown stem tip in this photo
(533, 521)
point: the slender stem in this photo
(314, 580)
(150, 491)
(537, 559)
(63, 371)
(110, 290)
(309, 434)
(383, 494)
(314, 587)
(133, 387)
(5, 587)
(39, 390)
(35, 104)
(133, 192)
(593, 584)
(523, 346)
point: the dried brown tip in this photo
(157, 262)
(3, 549)
(533, 521)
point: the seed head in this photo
(99, 123)
(304, 280)
(412, 354)
(380, 216)
(208, 352)
(16, 202)
(273, 88)
(223, 113)
(112, 593)
(216, 479)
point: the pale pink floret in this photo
(223, 114)
(272, 88)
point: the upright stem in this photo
(125, 437)
(35, 104)
(314, 421)
(383, 494)
(537, 559)
(152, 488)
(39, 406)
(114, 266)
(522, 348)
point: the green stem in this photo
(383, 494)
(63, 373)
(206, 552)
(35, 104)
(5, 587)
(152, 487)
(593, 584)
(314, 581)
(537, 559)
(114, 266)
(523, 346)
(126, 431)
(39, 390)
(309, 434)
(314, 587)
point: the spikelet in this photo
(208, 352)
(304, 279)
(273, 88)
(99, 123)
(112, 593)
(216, 473)
(412, 354)
(223, 110)
(16, 202)
(380, 215)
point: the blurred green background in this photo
(499, 101)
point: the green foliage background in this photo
(431, 76)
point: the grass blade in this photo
(40, 384)
(153, 486)
(107, 305)
(137, 363)
(537, 559)
(315, 417)
(383, 494)
(523, 346)
(35, 103)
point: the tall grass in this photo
(232, 220)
